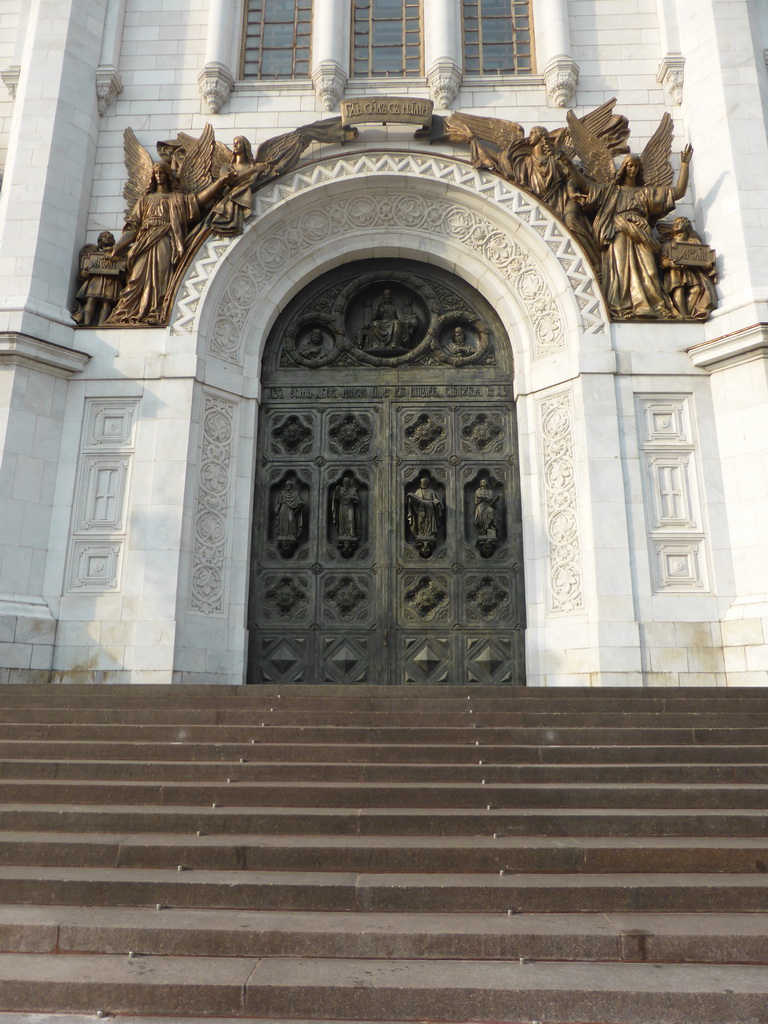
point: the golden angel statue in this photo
(626, 205)
(163, 206)
(533, 161)
(251, 171)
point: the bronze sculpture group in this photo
(647, 268)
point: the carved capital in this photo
(216, 84)
(11, 78)
(671, 75)
(561, 76)
(444, 80)
(108, 86)
(330, 80)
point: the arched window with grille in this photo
(386, 38)
(277, 39)
(497, 37)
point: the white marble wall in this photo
(145, 616)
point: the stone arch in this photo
(432, 208)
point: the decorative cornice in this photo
(561, 77)
(21, 350)
(444, 81)
(741, 346)
(671, 75)
(330, 81)
(216, 83)
(108, 86)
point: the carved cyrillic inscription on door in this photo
(387, 531)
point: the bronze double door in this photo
(387, 536)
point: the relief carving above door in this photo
(387, 542)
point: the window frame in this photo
(302, 18)
(515, 71)
(405, 72)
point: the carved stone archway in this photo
(425, 207)
(409, 204)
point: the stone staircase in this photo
(413, 854)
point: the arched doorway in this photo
(387, 542)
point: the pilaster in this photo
(330, 50)
(216, 80)
(553, 46)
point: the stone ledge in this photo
(22, 350)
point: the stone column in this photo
(553, 45)
(330, 49)
(43, 210)
(215, 79)
(442, 50)
(108, 84)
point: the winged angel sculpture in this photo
(199, 185)
(534, 161)
(626, 205)
(162, 207)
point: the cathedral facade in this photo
(384, 341)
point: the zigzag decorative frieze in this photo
(280, 244)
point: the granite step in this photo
(227, 820)
(255, 770)
(385, 990)
(385, 753)
(360, 853)
(468, 736)
(390, 892)
(470, 716)
(620, 937)
(235, 792)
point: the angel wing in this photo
(462, 127)
(176, 152)
(657, 170)
(138, 163)
(197, 169)
(591, 150)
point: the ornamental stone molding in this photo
(671, 75)
(108, 87)
(560, 502)
(561, 76)
(444, 81)
(216, 84)
(10, 77)
(212, 505)
(330, 80)
(450, 216)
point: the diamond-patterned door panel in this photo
(285, 597)
(283, 658)
(347, 659)
(346, 599)
(425, 598)
(426, 660)
(490, 660)
(488, 597)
